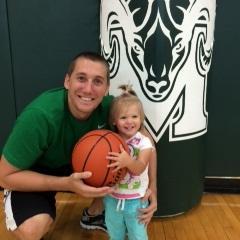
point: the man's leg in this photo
(93, 217)
(33, 228)
(96, 207)
(29, 214)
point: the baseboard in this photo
(222, 184)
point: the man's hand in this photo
(146, 214)
(82, 189)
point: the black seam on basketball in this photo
(81, 140)
(121, 142)
(101, 136)
(108, 142)
(91, 149)
(85, 162)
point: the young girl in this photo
(121, 208)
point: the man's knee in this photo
(34, 228)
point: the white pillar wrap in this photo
(164, 49)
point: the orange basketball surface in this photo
(89, 154)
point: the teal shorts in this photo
(122, 220)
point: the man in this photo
(35, 163)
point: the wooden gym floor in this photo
(217, 217)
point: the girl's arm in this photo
(123, 159)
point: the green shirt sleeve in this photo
(28, 139)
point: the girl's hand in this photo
(119, 160)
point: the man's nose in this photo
(88, 86)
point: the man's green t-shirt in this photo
(46, 132)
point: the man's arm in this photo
(26, 180)
(151, 195)
(146, 214)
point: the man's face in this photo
(87, 85)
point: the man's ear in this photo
(66, 81)
(107, 91)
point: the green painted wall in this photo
(7, 101)
(222, 142)
(37, 40)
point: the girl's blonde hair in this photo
(125, 99)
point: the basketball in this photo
(89, 154)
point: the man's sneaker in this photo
(93, 222)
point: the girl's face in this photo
(128, 121)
